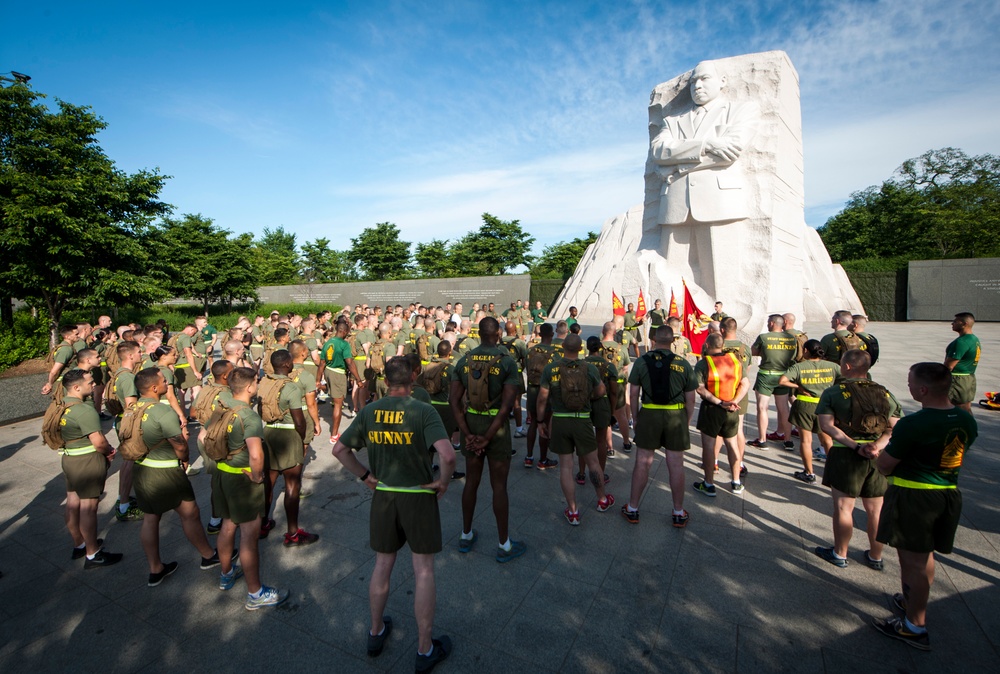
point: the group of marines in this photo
(425, 380)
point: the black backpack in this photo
(658, 365)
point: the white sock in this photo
(466, 536)
(123, 508)
(735, 482)
(256, 595)
(679, 512)
(506, 547)
(215, 521)
(520, 429)
(91, 557)
(427, 653)
(631, 509)
(709, 484)
(81, 546)
(381, 632)
(836, 556)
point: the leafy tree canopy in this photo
(381, 255)
(560, 259)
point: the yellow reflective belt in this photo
(772, 372)
(960, 374)
(284, 426)
(226, 468)
(180, 365)
(425, 362)
(338, 370)
(404, 490)
(440, 402)
(360, 357)
(621, 380)
(572, 415)
(910, 484)
(158, 463)
(807, 399)
(79, 451)
(104, 363)
(860, 442)
(674, 406)
(487, 413)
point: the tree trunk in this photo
(7, 311)
(55, 315)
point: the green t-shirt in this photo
(682, 379)
(77, 423)
(301, 376)
(124, 385)
(504, 373)
(363, 337)
(291, 398)
(777, 351)
(831, 345)
(336, 352)
(570, 321)
(813, 376)
(243, 423)
(398, 431)
(681, 345)
(931, 445)
(657, 317)
(208, 334)
(159, 423)
(421, 394)
(622, 360)
(550, 380)
(607, 371)
(466, 344)
(965, 349)
(736, 346)
(836, 400)
(518, 350)
(539, 315)
(64, 353)
(184, 341)
(168, 374)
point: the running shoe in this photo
(571, 517)
(520, 434)
(827, 554)
(213, 529)
(376, 642)
(228, 580)
(269, 596)
(706, 489)
(627, 447)
(133, 514)
(737, 487)
(873, 563)
(103, 558)
(581, 478)
(605, 503)
(79, 553)
(517, 548)
(440, 648)
(759, 444)
(804, 476)
(465, 544)
(157, 578)
(777, 437)
(266, 526)
(529, 462)
(547, 463)
(680, 521)
(300, 537)
(896, 628)
(631, 516)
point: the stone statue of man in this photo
(696, 153)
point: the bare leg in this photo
(709, 455)
(125, 481)
(873, 508)
(73, 517)
(805, 449)
(88, 524)
(338, 411)
(784, 426)
(843, 521)
(191, 523)
(498, 481)
(473, 475)
(917, 572)
(293, 481)
(763, 402)
(424, 599)
(98, 397)
(378, 588)
(640, 474)
(567, 483)
(596, 474)
(622, 418)
(735, 457)
(150, 538)
(675, 467)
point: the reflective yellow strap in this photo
(439, 402)
(807, 399)
(226, 468)
(715, 378)
(960, 374)
(653, 406)
(425, 362)
(572, 415)
(910, 484)
(772, 372)
(158, 463)
(404, 490)
(283, 426)
(360, 357)
(79, 451)
(104, 363)
(621, 380)
(487, 413)
(180, 365)
(860, 442)
(338, 370)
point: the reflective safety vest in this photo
(725, 372)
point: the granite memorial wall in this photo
(939, 289)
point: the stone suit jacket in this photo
(704, 186)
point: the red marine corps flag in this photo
(695, 326)
(674, 311)
(640, 306)
(616, 304)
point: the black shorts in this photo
(499, 448)
(399, 518)
(851, 473)
(447, 416)
(920, 520)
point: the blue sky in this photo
(329, 117)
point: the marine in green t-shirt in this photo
(962, 358)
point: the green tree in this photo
(198, 260)
(322, 264)
(942, 204)
(560, 259)
(433, 259)
(495, 248)
(73, 227)
(276, 257)
(380, 253)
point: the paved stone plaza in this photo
(738, 590)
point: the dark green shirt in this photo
(504, 373)
(836, 400)
(931, 445)
(777, 351)
(336, 352)
(159, 423)
(243, 423)
(966, 350)
(77, 423)
(682, 379)
(813, 376)
(539, 315)
(397, 431)
(551, 376)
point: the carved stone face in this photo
(706, 83)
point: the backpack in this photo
(217, 429)
(112, 403)
(52, 423)
(113, 363)
(423, 344)
(130, 443)
(538, 358)
(479, 383)
(376, 356)
(352, 340)
(658, 366)
(870, 407)
(800, 344)
(172, 342)
(740, 352)
(848, 343)
(205, 403)
(574, 385)
(872, 346)
(269, 393)
(432, 376)
(51, 358)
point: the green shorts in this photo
(717, 422)
(447, 416)
(399, 518)
(160, 490)
(236, 498)
(569, 434)
(499, 448)
(920, 520)
(600, 414)
(85, 475)
(803, 416)
(767, 385)
(852, 474)
(622, 385)
(963, 389)
(184, 379)
(532, 394)
(209, 462)
(379, 386)
(662, 428)
(336, 384)
(283, 448)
